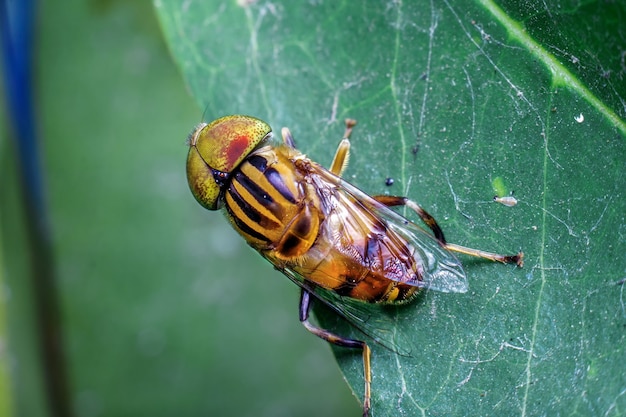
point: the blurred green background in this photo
(147, 329)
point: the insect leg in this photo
(340, 161)
(287, 137)
(390, 201)
(342, 154)
(517, 259)
(430, 221)
(305, 304)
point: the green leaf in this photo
(453, 98)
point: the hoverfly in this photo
(337, 243)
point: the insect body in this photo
(336, 242)
(508, 201)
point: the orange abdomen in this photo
(362, 266)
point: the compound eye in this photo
(226, 142)
(220, 146)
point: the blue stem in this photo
(17, 19)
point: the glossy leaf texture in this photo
(457, 102)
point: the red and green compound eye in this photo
(219, 147)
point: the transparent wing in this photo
(439, 270)
(377, 321)
(350, 215)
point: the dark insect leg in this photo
(390, 201)
(305, 304)
(430, 221)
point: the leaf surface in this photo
(456, 102)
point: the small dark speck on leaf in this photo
(389, 182)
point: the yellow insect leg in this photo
(340, 161)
